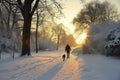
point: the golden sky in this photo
(72, 8)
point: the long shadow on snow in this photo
(51, 73)
(32, 67)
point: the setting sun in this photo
(81, 39)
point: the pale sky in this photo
(72, 8)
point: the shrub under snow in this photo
(113, 42)
(105, 34)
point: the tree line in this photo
(97, 18)
(20, 18)
(13, 12)
(95, 12)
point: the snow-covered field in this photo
(48, 65)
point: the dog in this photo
(63, 57)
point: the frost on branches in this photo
(113, 42)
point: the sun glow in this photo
(82, 38)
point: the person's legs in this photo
(68, 55)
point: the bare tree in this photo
(9, 21)
(28, 8)
(27, 12)
(59, 33)
(47, 15)
(39, 21)
(8, 16)
(96, 12)
(53, 32)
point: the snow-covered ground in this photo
(99, 67)
(48, 65)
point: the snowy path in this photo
(46, 66)
(69, 71)
(49, 66)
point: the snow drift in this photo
(97, 35)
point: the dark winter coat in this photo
(67, 49)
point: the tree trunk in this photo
(37, 24)
(26, 35)
(27, 10)
(58, 38)
(37, 37)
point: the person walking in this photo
(68, 49)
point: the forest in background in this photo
(32, 27)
